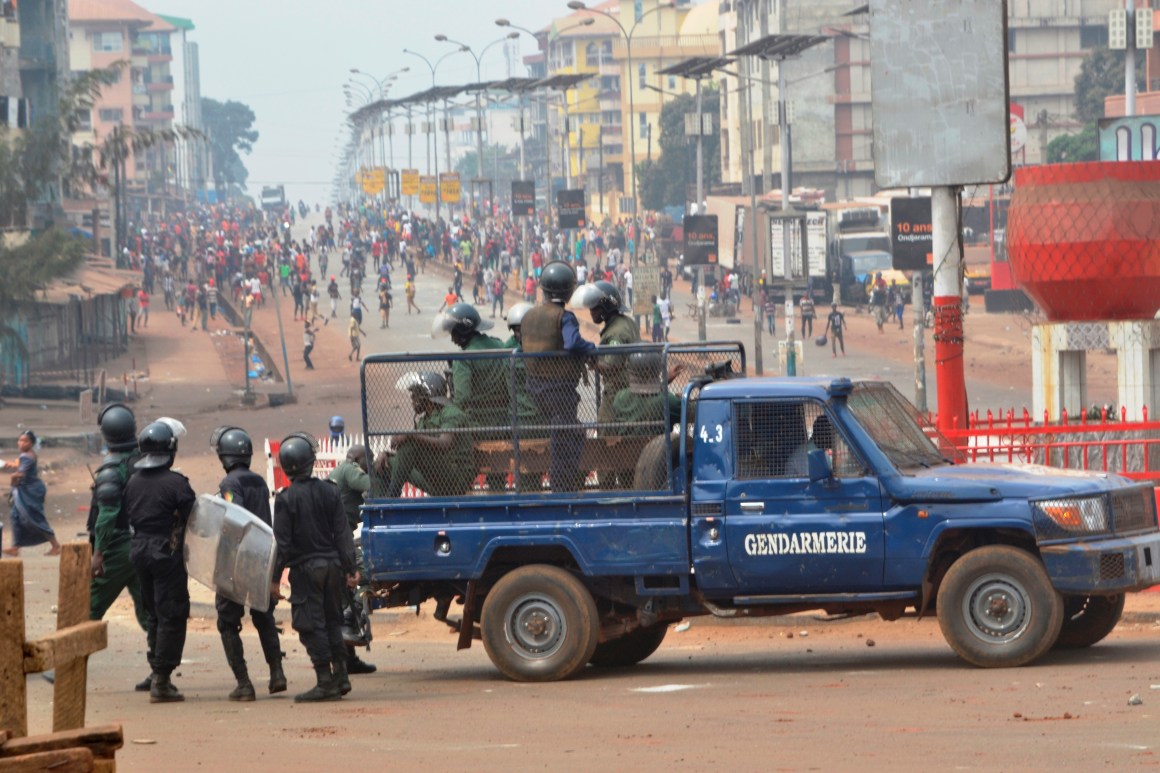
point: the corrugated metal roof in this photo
(96, 276)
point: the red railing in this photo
(1108, 443)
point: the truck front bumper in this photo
(1113, 565)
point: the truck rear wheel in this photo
(1088, 619)
(539, 624)
(630, 649)
(997, 609)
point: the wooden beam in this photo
(13, 690)
(102, 740)
(71, 683)
(65, 646)
(60, 761)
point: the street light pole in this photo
(430, 115)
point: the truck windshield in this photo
(865, 242)
(898, 429)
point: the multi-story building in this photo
(192, 155)
(104, 32)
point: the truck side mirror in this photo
(819, 465)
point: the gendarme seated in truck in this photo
(712, 493)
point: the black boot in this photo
(163, 690)
(145, 684)
(341, 677)
(236, 657)
(325, 690)
(277, 676)
(356, 666)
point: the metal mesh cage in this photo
(501, 421)
(774, 438)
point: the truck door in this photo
(786, 534)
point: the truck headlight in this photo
(1071, 516)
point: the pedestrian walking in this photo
(314, 541)
(356, 333)
(143, 302)
(308, 336)
(836, 328)
(332, 292)
(29, 523)
(409, 292)
(384, 307)
(808, 314)
(158, 502)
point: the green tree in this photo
(1102, 75)
(664, 182)
(1073, 148)
(229, 126)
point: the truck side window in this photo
(774, 440)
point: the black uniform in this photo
(158, 502)
(315, 542)
(246, 488)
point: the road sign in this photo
(646, 283)
(570, 207)
(410, 182)
(523, 198)
(700, 240)
(428, 184)
(911, 233)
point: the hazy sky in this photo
(288, 60)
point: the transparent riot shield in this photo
(229, 550)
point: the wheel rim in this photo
(536, 627)
(997, 608)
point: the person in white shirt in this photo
(666, 307)
(628, 286)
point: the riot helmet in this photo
(427, 384)
(158, 446)
(601, 298)
(515, 315)
(118, 427)
(461, 321)
(233, 446)
(358, 454)
(296, 455)
(557, 281)
(644, 373)
(337, 426)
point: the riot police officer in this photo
(315, 542)
(353, 482)
(247, 489)
(515, 318)
(158, 502)
(108, 524)
(552, 382)
(602, 299)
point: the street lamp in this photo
(433, 66)
(478, 81)
(383, 85)
(578, 5)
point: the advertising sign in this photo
(427, 188)
(815, 233)
(410, 182)
(1136, 138)
(911, 233)
(646, 283)
(449, 187)
(739, 236)
(570, 208)
(701, 240)
(523, 198)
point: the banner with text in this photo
(570, 208)
(700, 240)
(428, 185)
(449, 187)
(523, 198)
(410, 182)
(911, 233)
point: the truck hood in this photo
(994, 481)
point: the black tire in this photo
(539, 624)
(630, 649)
(654, 464)
(997, 609)
(1088, 619)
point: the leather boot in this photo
(356, 666)
(324, 690)
(236, 657)
(277, 676)
(163, 690)
(145, 684)
(341, 678)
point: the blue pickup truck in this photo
(727, 495)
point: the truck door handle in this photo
(751, 507)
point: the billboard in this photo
(911, 233)
(523, 198)
(700, 240)
(815, 234)
(1136, 138)
(410, 182)
(449, 187)
(570, 208)
(428, 184)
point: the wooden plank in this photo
(65, 646)
(102, 740)
(59, 761)
(13, 690)
(71, 683)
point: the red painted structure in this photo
(1084, 239)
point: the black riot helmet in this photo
(296, 455)
(118, 427)
(233, 446)
(462, 321)
(601, 298)
(558, 281)
(158, 446)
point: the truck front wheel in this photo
(1088, 619)
(539, 624)
(997, 609)
(630, 649)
